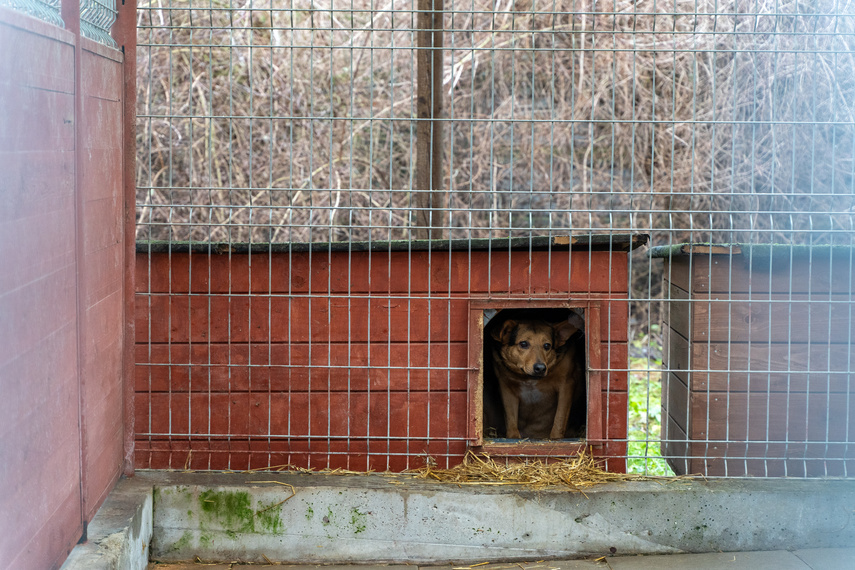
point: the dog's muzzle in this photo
(539, 369)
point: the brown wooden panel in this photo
(674, 446)
(675, 401)
(678, 312)
(98, 168)
(677, 357)
(46, 545)
(676, 272)
(820, 320)
(773, 459)
(822, 274)
(774, 367)
(776, 416)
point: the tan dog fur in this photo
(537, 374)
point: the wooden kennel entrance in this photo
(760, 360)
(356, 355)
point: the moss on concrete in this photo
(232, 510)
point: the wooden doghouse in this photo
(760, 360)
(357, 355)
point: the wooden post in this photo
(125, 34)
(430, 199)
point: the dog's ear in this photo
(564, 330)
(503, 335)
(576, 320)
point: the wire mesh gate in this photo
(346, 130)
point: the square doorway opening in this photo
(510, 356)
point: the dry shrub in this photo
(691, 120)
(709, 121)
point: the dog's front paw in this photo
(556, 434)
(514, 434)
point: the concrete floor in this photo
(810, 559)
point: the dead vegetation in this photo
(577, 473)
(691, 120)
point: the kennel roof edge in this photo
(589, 242)
(749, 251)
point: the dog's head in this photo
(530, 347)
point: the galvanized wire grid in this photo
(47, 10)
(97, 18)
(697, 122)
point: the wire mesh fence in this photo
(47, 10)
(295, 157)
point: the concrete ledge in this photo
(119, 536)
(371, 519)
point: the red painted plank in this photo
(358, 455)
(388, 272)
(43, 252)
(103, 180)
(615, 414)
(36, 183)
(36, 120)
(102, 78)
(282, 367)
(103, 223)
(300, 414)
(36, 311)
(104, 274)
(36, 54)
(215, 318)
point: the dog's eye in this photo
(547, 346)
(524, 344)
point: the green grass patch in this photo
(645, 407)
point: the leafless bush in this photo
(711, 121)
(701, 121)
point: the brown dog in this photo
(539, 375)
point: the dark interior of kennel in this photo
(358, 356)
(494, 420)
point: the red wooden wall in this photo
(63, 306)
(358, 360)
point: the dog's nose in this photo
(539, 368)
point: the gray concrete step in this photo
(809, 559)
